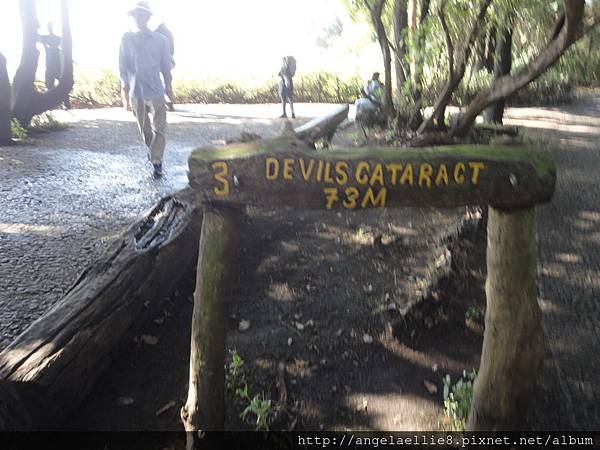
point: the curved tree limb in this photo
(508, 85)
(436, 120)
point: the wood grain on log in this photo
(513, 343)
(205, 406)
(282, 172)
(65, 351)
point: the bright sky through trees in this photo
(232, 39)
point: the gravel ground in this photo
(65, 194)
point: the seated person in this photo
(369, 109)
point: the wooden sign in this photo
(282, 172)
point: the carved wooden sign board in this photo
(281, 173)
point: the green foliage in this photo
(260, 407)
(103, 90)
(17, 130)
(458, 398)
(256, 410)
(46, 122)
(471, 313)
(322, 87)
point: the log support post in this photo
(205, 406)
(513, 342)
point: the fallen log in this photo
(322, 127)
(64, 352)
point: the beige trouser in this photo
(153, 132)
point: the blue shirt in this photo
(143, 56)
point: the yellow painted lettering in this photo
(222, 168)
(362, 178)
(442, 175)
(394, 169)
(351, 197)
(341, 169)
(320, 171)
(476, 167)
(378, 200)
(272, 169)
(307, 171)
(425, 173)
(459, 173)
(327, 178)
(407, 175)
(377, 176)
(288, 169)
(332, 196)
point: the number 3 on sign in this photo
(223, 189)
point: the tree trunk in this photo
(205, 406)
(65, 351)
(376, 11)
(27, 102)
(455, 76)
(504, 87)
(513, 343)
(502, 66)
(416, 20)
(400, 26)
(5, 133)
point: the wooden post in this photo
(513, 342)
(205, 406)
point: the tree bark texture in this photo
(565, 34)
(513, 343)
(400, 27)
(64, 352)
(5, 133)
(27, 101)
(376, 11)
(205, 406)
(502, 67)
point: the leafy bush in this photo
(17, 130)
(458, 398)
(46, 122)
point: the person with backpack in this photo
(286, 84)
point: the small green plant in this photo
(261, 408)
(258, 407)
(458, 398)
(17, 130)
(471, 314)
(47, 122)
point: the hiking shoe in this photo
(283, 116)
(293, 116)
(158, 171)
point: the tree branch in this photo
(508, 85)
(449, 44)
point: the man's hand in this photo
(169, 91)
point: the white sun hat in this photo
(140, 6)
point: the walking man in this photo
(144, 55)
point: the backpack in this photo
(290, 64)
